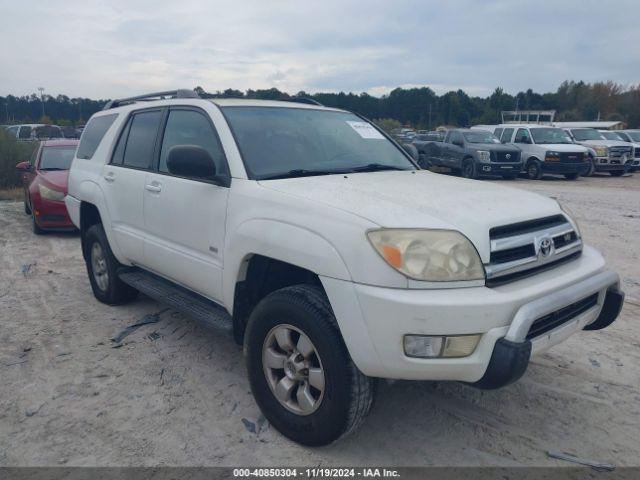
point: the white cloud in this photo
(101, 50)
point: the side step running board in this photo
(190, 304)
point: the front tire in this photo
(469, 169)
(102, 268)
(591, 168)
(534, 169)
(300, 371)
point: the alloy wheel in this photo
(99, 267)
(293, 369)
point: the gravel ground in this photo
(176, 394)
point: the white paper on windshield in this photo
(365, 130)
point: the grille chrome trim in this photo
(533, 245)
(515, 266)
(528, 238)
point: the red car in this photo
(44, 179)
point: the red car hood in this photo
(56, 178)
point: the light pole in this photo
(41, 90)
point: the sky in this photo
(107, 49)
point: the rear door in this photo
(184, 218)
(124, 179)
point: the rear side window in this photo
(497, 132)
(25, 132)
(141, 140)
(93, 134)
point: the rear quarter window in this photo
(93, 134)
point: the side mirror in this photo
(23, 167)
(191, 161)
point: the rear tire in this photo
(616, 173)
(334, 397)
(102, 268)
(571, 176)
(534, 169)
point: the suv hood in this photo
(422, 200)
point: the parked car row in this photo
(535, 150)
(41, 131)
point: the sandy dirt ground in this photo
(177, 394)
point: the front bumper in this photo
(52, 215)
(561, 168)
(500, 168)
(605, 164)
(373, 320)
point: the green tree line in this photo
(416, 107)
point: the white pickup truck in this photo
(331, 255)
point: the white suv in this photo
(334, 257)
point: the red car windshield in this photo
(57, 158)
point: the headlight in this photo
(571, 217)
(552, 157)
(429, 255)
(50, 194)
(601, 151)
(484, 156)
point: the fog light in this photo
(423, 346)
(460, 346)
(486, 168)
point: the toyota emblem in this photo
(546, 245)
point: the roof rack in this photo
(309, 101)
(181, 93)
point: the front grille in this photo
(526, 227)
(555, 319)
(525, 248)
(502, 157)
(570, 157)
(618, 152)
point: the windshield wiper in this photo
(375, 167)
(300, 172)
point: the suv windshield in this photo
(549, 135)
(56, 158)
(278, 142)
(586, 134)
(480, 137)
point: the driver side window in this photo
(188, 127)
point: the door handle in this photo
(109, 177)
(153, 188)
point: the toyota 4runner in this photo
(331, 255)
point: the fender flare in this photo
(281, 241)
(91, 193)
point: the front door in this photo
(184, 218)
